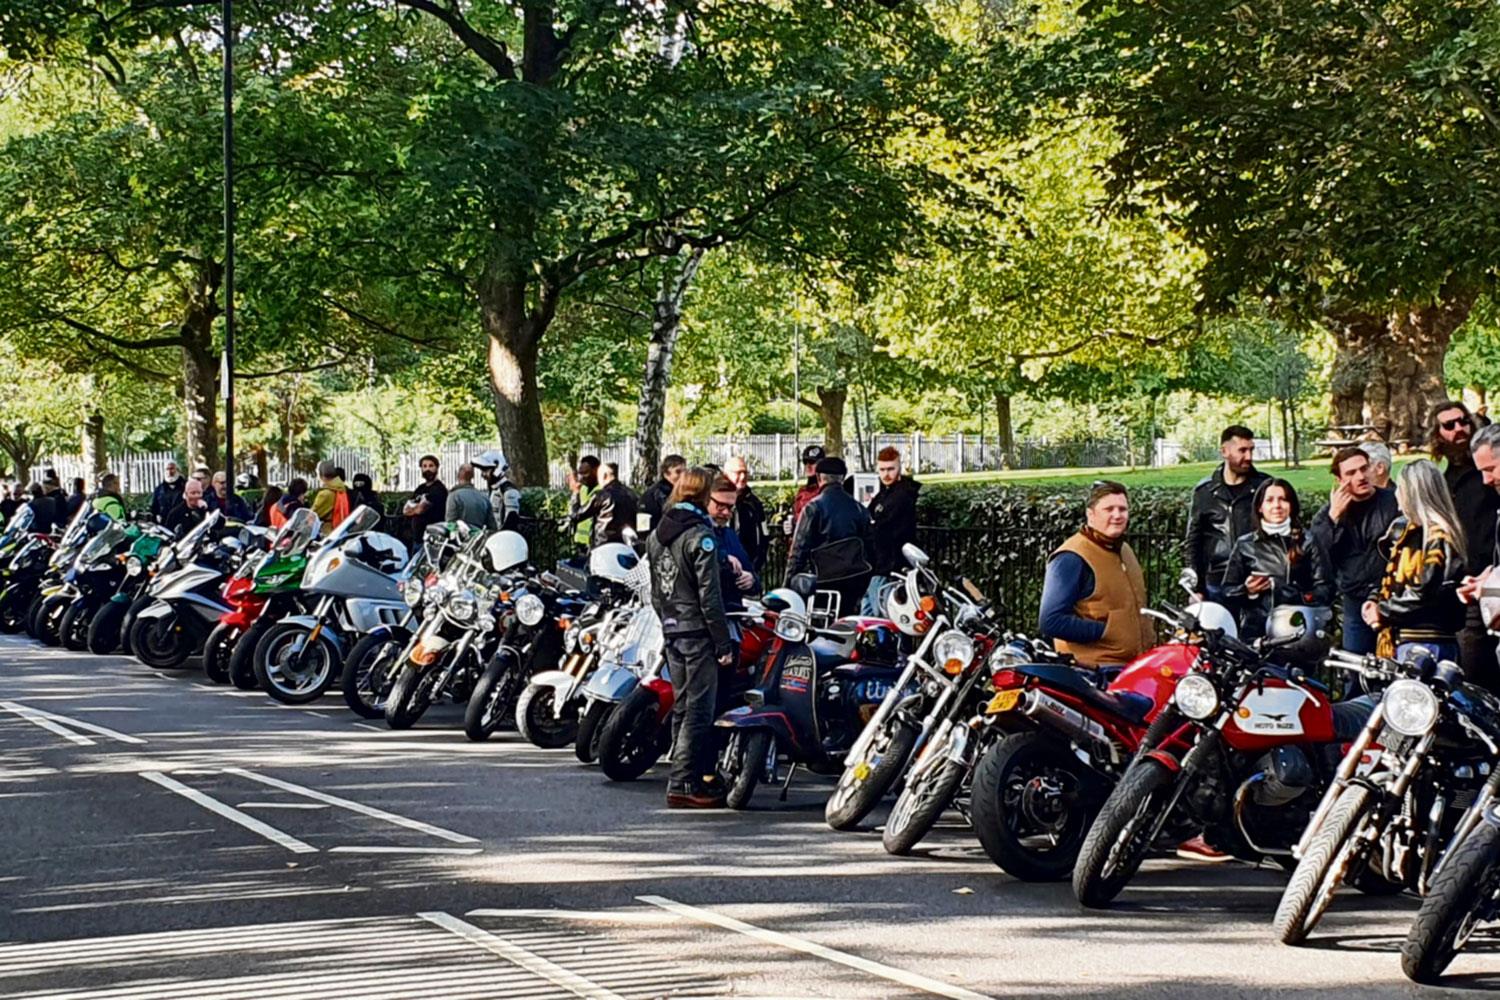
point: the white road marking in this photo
(352, 806)
(366, 725)
(599, 916)
(888, 972)
(405, 850)
(36, 718)
(514, 953)
(88, 726)
(230, 813)
(276, 805)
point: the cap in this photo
(832, 467)
(813, 454)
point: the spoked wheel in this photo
(104, 628)
(540, 724)
(73, 630)
(1463, 895)
(491, 700)
(292, 666)
(1339, 844)
(1029, 807)
(865, 782)
(920, 804)
(411, 694)
(633, 738)
(369, 672)
(1121, 835)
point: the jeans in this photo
(695, 685)
(872, 597)
(1443, 650)
(1477, 652)
(1358, 637)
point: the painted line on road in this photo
(888, 972)
(377, 729)
(87, 726)
(405, 850)
(352, 806)
(37, 718)
(528, 960)
(650, 917)
(276, 805)
(230, 813)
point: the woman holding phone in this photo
(1276, 562)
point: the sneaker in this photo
(706, 795)
(1198, 849)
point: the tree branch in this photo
(149, 344)
(380, 327)
(295, 369)
(492, 52)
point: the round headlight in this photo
(463, 607)
(953, 651)
(1197, 697)
(436, 594)
(790, 627)
(570, 639)
(1411, 708)
(133, 565)
(411, 592)
(530, 609)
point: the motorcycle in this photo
(1419, 775)
(625, 657)
(93, 579)
(354, 585)
(1465, 893)
(23, 574)
(263, 590)
(53, 597)
(1241, 746)
(105, 628)
(532, 638)
(185, 603)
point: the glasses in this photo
(1449, 425)
(712, 502)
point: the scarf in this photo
(1282, 530)
(1108, 544)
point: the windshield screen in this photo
(102, 544)
(21, 519)
(468, 564)
(296, 534)
(360, 520)
(75, 528)
(189, 542)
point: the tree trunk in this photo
(514, 333)
(95, 457)
(1005, 430)
(666, 325)
(831, 409)
(262, 465)
(200, 396)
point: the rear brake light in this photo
(1006, 679)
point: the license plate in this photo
(1003, 701)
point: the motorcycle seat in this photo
(1126, 704)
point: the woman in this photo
(1276, 563)
(265, 514)
(294, 500)
(362, 492)
(1417, 605)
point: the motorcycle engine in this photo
(1284, 774)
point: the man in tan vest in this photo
(1094, 589)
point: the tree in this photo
(1473, 361)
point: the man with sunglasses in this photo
(1477, 506)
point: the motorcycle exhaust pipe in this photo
(1041, 707)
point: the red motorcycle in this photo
(1239, 755)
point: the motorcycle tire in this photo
(290, 672)
(366, 679)
(863, 784)
(33, 614)
(73, 630)
(13, 609)
(161, 643)
(411, 695)
(141, 603)
(1115, 846)
(1323, 866)
(633, 739)
(919, 805)
(242, 659)
(1453, 905)
(1030, 838)
(747, 755)
(586, 746)
(489, 702)
(49, 619)
(218, 650)
(104, 628)
(539, 724)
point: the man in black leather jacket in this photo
(1221, 511)
(833, 538)
(1349, 529)
(685, 591)
(654, 499)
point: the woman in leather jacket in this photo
(1276, 563)
(1416, 604)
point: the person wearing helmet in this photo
(1275, 563)
(505, 496)
(1094, 589)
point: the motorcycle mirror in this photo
(1188, 581)
(915, 556)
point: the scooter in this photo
(106, 626)
(264, 590)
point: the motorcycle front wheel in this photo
(411, 695)
(865, 781)
(73, 630)
(920, 804)
(161, 643)
(745, 759)
(586, 746)
(1121, 835)
(13, 605)
(491, 699)
(1463, 894)
(104, 628)
(540, 724)
(217, 651)
(294, 668)
(1324, 866)
(1029, 807)
(633, 738)
(49, 619)
(242, 658)
(369, 671)
(141, 603)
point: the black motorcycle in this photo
(531, 639)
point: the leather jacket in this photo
(1418, 595)
(1353, 544)
(893, 512)
(1219, 515)
(832, 517)
(685, 583)
(1307, 580)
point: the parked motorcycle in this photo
(93, 579)
(186, 603)
(22, 574)
(1464, 894)
(105, 627)
(532, 638)
(626, 657)
(263, 590)
(51, 600)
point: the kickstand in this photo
(791, 772)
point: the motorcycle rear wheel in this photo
(368, 673)
(586, 746)
(73, 630)
(1119, 839)
(633, 738)
(1028, 807)
(411, 695)
(289, 671)
(1466, 887)
(920, 804)
(538, 722)
(104, 628)
(217, 651)
(1324, 866)
(863, 784)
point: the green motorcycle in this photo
(264, 590)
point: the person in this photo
(808, 491)
(107, 499)
(505, 495)
(736, 578)
(611, 510)
(467, 504)
(331, 502)
(10, 502)
(362, 493)
(583, 483)
(893, 516)
(168, 492)
(427, 503)
(1221, 511)
(202, 474)
(1485, 449)
(749, 515)
(1348, 529)
(654, 500)
(232, 504)
(1275, 563)
(265, 514)
(1416, 604)
(46, 509)
(1380, 463)
(1093, 589)
(1477, 506)
(75, 500)
(685, 592)
(52, 490)
(294, 500)
(832, 539)
(190, 510)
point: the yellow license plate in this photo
(1003, 701)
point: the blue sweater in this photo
(1068, 581)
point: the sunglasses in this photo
(1449, 425)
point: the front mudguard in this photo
(611, 684)
(310, 622)
(767, 717)
(564, 684)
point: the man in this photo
(611, 509)
(832, 540)
(654, 500)
(168, 493)
(893, 516)
(1486, 453)
(233, 505)
(808, 491)
(1221, 511)
(749, 515)
(1349, 529)
(108, 499)
(46, 505)
(76, 499)
(1380, 463)
(467, 504)
(362, 492)
(53, 491)
(190, 510)
(736, 579)
(428, 501)
(583, 483)
(10, 501)
(505, 496)
(202, 474)
(1477, 506)
(331, 503)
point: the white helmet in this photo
(506, 550)
(490, 459)
(903, 607)
(1211, 615)
(613, 561)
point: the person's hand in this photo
(787, 524)
(1338, 502)
(734, 564)
(1258, 583)
(1468, 590)
(745, 580)
(1370, 612)
(726, 659)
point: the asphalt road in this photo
(161, 838)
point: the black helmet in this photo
(247, 481)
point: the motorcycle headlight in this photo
(792, 628)
(411, 592)
(1196, 697)
(530, 609)
(134, 566)
(570, 640)
(463, 606)
(953, 651)
(1411, 708)
(436, 594)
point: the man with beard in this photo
(610, 510)
(1221, 511)
(1477, 505)
(428, 501)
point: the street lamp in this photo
(226, 375)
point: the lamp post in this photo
(226, 376)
